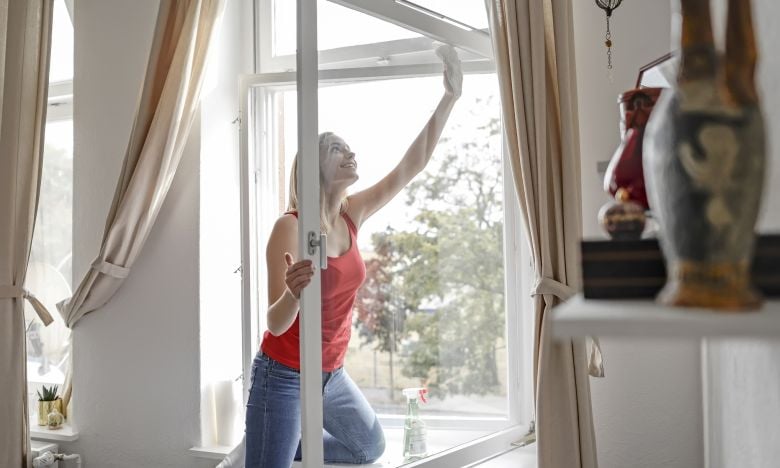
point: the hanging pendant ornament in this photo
(608, 6)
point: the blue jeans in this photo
(273, 418)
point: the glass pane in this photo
(469, 12)
(61, 44)
(338, 26)
(49, 273)
(423, 318)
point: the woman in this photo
(353, 434)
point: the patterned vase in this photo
(704, 164)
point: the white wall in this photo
(647, 409)
(136, 361)
(745, 375)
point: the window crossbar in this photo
(422, 21)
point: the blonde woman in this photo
(352, 432)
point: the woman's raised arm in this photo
(365, 203)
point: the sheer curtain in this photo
(534, 53)
(25, 37)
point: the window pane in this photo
(469, 12)
(338, 26)
(431, 312)
(61, 44)
(49, 273)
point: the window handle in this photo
(322, 243)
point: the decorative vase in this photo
(46, 407)
(704, 164)
(54, 419)
(625, 170)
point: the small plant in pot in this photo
(49, 402)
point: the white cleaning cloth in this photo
(453, 73)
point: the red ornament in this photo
(625, 168)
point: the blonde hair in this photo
(292, 204)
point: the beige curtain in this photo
(167, 106)
(25, 38)
(534, 53)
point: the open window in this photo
(49, 273)
(439, 307)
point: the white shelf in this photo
(67, 433)
(647, 319)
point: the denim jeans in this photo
(273, 418)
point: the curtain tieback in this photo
(544, 286)
(15, 292)
(563, 292)
(110, 269)
(595, 358)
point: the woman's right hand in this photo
(453, 73)
(298, 275)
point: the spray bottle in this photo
(415, 433)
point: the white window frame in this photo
(421, 20)
(260, 175)
(309, 234)
(473, 44)
(59, 109)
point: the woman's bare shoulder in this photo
(284, 232)
(287, 219)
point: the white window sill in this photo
(213, 452)
(67, 433)
(439, 440)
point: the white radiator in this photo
(39, 447)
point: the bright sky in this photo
(60, 134)
(379, 120)
(339, 26)
(61, 44)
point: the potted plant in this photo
(48, 400)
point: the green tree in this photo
(444, 277)
(52, 240)
(380, 313)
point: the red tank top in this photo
(340, 283)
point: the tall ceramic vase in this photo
(704, 164)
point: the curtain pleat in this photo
(534, 54)
(25, 42)
(166, 110)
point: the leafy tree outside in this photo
(434, 293)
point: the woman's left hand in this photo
(453, 75)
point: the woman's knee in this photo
(376, 446)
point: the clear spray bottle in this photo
(415, 446)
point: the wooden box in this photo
(636, 270)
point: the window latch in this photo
(322, 243)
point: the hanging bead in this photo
(608, 6)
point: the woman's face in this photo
(338, 167)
